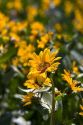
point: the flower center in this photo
(43, 66)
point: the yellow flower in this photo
(45, 4)
(57, 45)
(16, 27)
(16, 4)
(14, 36)
(44, 39)
(25, 53)
(37, 80)
(15, 61)
(3, 21)
(58, 27)
(68, 7)
(37, 27)
(45, 61)
(27, 98)
(31, 12)
(56, 2)
(75, 68)
(4, 35)
(72, 83)
(78, 21)
(81, 113)
(32, 38)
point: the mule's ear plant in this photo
(41, 79)
(73, 84)
(38, 78)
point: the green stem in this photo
(52, 121)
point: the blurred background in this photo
(18, 21)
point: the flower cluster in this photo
(74, 85)
(41, 47)
(40, 65)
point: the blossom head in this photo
(45, 61)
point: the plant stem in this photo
(52, 121)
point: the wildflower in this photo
(37, 80)
(27, 98)
(3, 21)
(57, 2)
(57, 45)
(72, 83)
(75, 68)
(14, 36)
(32, 38)
(78, 21)
(58, 27)
(45, 61)
(16, 4)
(15, 61)
(37, 27)
(32, 12)
(68, 7)
(81, 113)
(45, 5)
(44, 39)
(25, 53)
